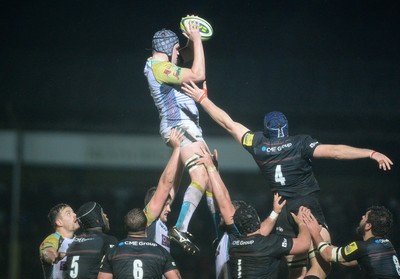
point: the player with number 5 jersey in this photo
(285, 162)
(87, 250)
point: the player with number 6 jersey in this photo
(137, 256)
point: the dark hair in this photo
(149, 195)
(135, 221)
(381, 220)
(54, 213)
(90, 215)
(237, 203)
(246, 219)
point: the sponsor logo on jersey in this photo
(383, 241)
(350, 248)
(276, 148)
(82, 239)
(248, 139)
(279, 229)
(284, 243)
(137, 243)
(313, 144)
(242, 242)
(165, 241)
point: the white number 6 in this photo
(137, 269)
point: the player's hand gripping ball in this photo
(205, 28)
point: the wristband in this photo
(372, 154)
(274, 215)
(202, 97)
(211, 169)
(322, 246)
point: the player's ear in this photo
(368, 226)
(59, 222)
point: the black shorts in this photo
(285, 224)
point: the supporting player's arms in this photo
(220, 191)
(269, 223)
(302, 243)
(104, 275)
(170, 178)
(172, 274)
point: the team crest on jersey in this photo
(350, 248)
(248, 139)
(165, 241)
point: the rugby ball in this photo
(205, 28)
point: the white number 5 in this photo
(279, 175)
(74, 267)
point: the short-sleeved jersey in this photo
(85, 254)
(376, 257)
(60, 244)
(158, 232)
(137, 256)
(174, 107)
(222, 258)
(257, 256)
(284, 162)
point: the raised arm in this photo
(170, 178)
(302, 242)
(236, 129)
(345, 152)
(327, 251)
(197, 72)
(220, 191)
(269, 223)
(173, 274)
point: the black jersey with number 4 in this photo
(376, 257)
(137, 257)
(86, 253)
(257, 256)
(284, 162)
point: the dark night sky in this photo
(77, 65)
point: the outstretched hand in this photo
(278, 205)
(384, 162)
(311, 222)
(192, 30)
(175, 137)
(193, 91)
(206, 158)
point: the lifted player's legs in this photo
(192, 197)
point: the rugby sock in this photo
(214, 214)
(191, 199)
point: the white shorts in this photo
(191, 133)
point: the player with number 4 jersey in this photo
(285, 162)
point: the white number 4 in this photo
(279, 175)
